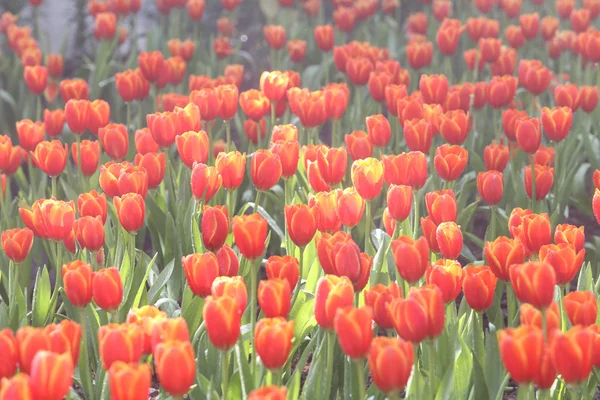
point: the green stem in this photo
(368, 244)
(544, 324)
(257, 200)
(253, 288)
(54, 179)
(330, 342)
(275, 377)
(228, 135)
(230, 200)
(127, 115)
(417, 201)
(30, 173)
(210, 141)
(325, 68)
(38, 103)
(140, 115)
(84, 363)
(512, 304)
(297, 288)
(492, 235)
(416, 371)
(533, 188)
(224, 374)
(431, 345)
(478, 337)
(360, 370)
(79, 166)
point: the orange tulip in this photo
(354, 329)
(17, 387)
(296, 50)
(222, 316)
(268, 393)
(122, 178)
(54, 122)
(434, 88)
(521, 350)
(193, 147)
(359, 145)
(529, 24)
(231, 167)
(544, 178)
(441, 206)
(399, 201)
(129, 381)
(285, 268)
(151, 64)
(336, 96)
(274, 85)
(332, 164)
(250, 235)
(228, 262)
(107, 288)
(200, 272)
(255, 104)
(390, 363)
(273, 338)
(77, 278)
(214, 227)
(367, 177)
(301, 223)
(89, 232)
(274, 36)
(534, 76)
(527, 132)
(228, 96)
(145, 318)
(131, 210)
(531, 315)
(251, 129)
(144, 142)
(36, 78)
(405, 169)
(265, 169)
(570, 234)
(420, 316)
(447, 37)
(588, 97)
(155, 165)
(411, 257)
(378, 81)
(495, 157)
(448, 276)
(206, 182)
(501, 91)
(449, 239)
(175, 381)
(274, 297)
(557, 122)
(92, 204)
(310, 107)
(581, 308)
(564, 259)
(479, 284)
(534, 231)
(418, 134)
(10, 351)
(51, 375)
(17, 243)
(533, 282)
(97, 117)
(324, 37)
(419, 54)
(30, 133)
(359, 70)
(490, 185)
(379, 130)
(163, 127)
(450, 161)
(333, 293)
(350, 207)
(120, 343)
(572, 354)
(90, 155)
(50, 157)
(344, 18)
(501, 254)
(50, 219)
(378, 298)
(207, 101)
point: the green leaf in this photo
(379, 272)
(464, 217)
(304, 320)
(494, 369)
(142, 285)
(586, 280)
(160, 282)
(455, 383)
(41, 297)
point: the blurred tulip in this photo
(570, 234)
(588, 98)
(175, 381)
(269, 392)
(206, 182)
(534, 76)
(324, 37)
(265, 169)
(379, 130)
(222, 316)
(274, 36)
(565, 260)
(73, 89)
(273, 337)
(10, 351)
(544, 178)
(350, 207)
(390, 363)
(359, 145)
(521, 350)
(120, 343)
(419, 54)
(527, 132)
(572, 354)
(214, 227)
(36, 78)
(420, 316)
(359, 70)
(129, 381)
(51, 375)
(406, 169)
(495, 157)
(399, 201)
(418, 134)
(411, 257)
(354, 329)
(16, 244)
(581, 308)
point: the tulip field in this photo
(300, 199)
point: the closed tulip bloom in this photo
(92, 204)
(144, 142)
(283, 267)
(379, 130)
(367, 177)
(450, 161)
(90, 156)
(50, 157)
(289, 155)
(151, 64)
(359, 145)
(163, 127)
(411, 257)
(115, 140)
(557, 122)
(131, 210)
(89, 232)
(441, 206)
(350, 207)
(214, 227)
(393, 93)
(310, 107)
(530, 24)
(534, 76)
(324, 37)
(399, 201)
(31, 341)
(448, 276)
(155, 165)
(544, 156)
(274, 36)
(544, 178)
(501, 91)
(420, 316)
(527, 132)
(589, 98)
(354, 329)
(107, 289)
(455, 126)
(490, 185)
(193, 147)
(521, 350)
(77, 278)
(418, 134)
(495, 157)
(52, 219)
(336, 100)
(266, 169)
(54, 121)
(30, 133)
(274, 85)
(419, 54)
(434, 88)
(359, 70)
(533, 282)
(285, 133)
(565, 260)
(17, 387)
(10, 351)
(333, 293)
(390, 362)
(17, 243)
(273, 338)
(228, 96)
(296, 50)
(274, 297)
(378, 297)
(232, 287)
(530, 315)
(36, 78)
(255, 104)
(268, 393)
(344, 18)
(250, 235)
(228, 262)
(489, 49)
(175, 366)
(509, 122)
(581, 308)
(73, 89)
(231, 167)
(449, 239)
(200, 272)
(534, 231)
(378, 81)
(596, 205)
(77, 114)
(567, 96)
(207, 101)
(572, 354)
(301, 223)
(45, 382)
(120, 343)
(222, 316)
(479, 285)
(98, 116)
(447, 38)
(350, 262)
(206, 182)
(145, 318)
(406, 169)
(570, 234)
(13, 160)
(129, 381)
(501, 254)
(332, 164)
(327, 243)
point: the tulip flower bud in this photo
(390, 362)
(250, 235)
(354, 329)
(273, 339)
(333, 293)
(479, 285)
(533, 282)
(200, 272)
(420, 316)
(222, 316)
(572, 354)
(51, 375)
(129, 381)
(175, 381)
(378, 297)
(107, 289)
(10, 350)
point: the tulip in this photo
(589, 98)
(144, 142)
(418, 134)
(332, 164)
(17, 387)
(544, 177)
(501, 254)
(214, 227)
(450, 161)
(175, 381)
(324, 37)
(420, 316)
(151, 64)
(344, 18)
(534, 76)
(50, 157)
(231, 167)
(411, 257)
(122, 178)
(394, 93)
(581, 308)
(354, 329)
(301, 223)
(406, 169)
(367, 177)
(333, 293)
(350, 207)
(155, 165)
(285, 267)
(30, 134)
(274, 298)
(326, 244)
(296, 50)
(54, 122)
(163, 127)
(77, 278)
(449, 239)
(447, 38)
(359, 70)
(509, 123)
(145, 318)
(570, 234)
(233, 287)
(51, 375)
(531, 315)
(479, 284)
(490, 186)
(324, 206)
(97, 117)
(107, 289)
(350, 262)
(419, 54)
(265, 169)
(131, 211)
(448, 276)
(289, 155)
(501, 91)
(390, 363)
(273, 338)
(434, 88)
(274, 36)
(50, 219)
(378, 298)
(521, 350)
(274, 85)
(120, 343)
(92, 204)
(222, 316)
(399, 201)
(115, 140)
(572, 354)
(496, 157)
(90, 155)
(534, 231)
(10, 350)
(36, 78)
(557, 122)
(228, 96)
(268, 392)
(336, 96)
(17, 243)
(200, 272)
(206, 182)
(378, 81)
(596, 205)
(441, 206)
(89, 232)
(564, 259)
(73, 89)
(310, 107)
(129, 381)
(533, 282)
(250, 235)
